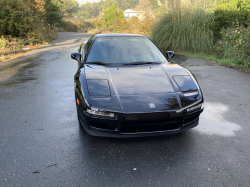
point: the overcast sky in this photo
(85, 1)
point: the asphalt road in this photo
(41, 143)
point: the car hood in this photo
(135, 88)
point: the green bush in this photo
(225, 18)
(134, 23)
(24, 19)
(98, 23)
(184, 30)
(229, 12)
(3, 42)
(147, 24)
(235, 45)
(17, 18)
(119, 26)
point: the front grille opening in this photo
(150, 127)
(104, 126)
(188, 120)
(150, 122)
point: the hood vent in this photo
(185, 83)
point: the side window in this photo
(87, 47)
(82, 50)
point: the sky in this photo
(85, 1)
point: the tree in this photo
(127, 4)
(85, 11)
(19, 17)
(67, 7)
(144, 5)
(52, 15)
(109, 3)
(111, 14)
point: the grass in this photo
(214, 59)
(184, 29)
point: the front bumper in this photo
(138, 125)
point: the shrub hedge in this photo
(224, 19)
(235, 44)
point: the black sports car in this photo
(126, 87)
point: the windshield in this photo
(113, 50)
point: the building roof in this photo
(132, 10)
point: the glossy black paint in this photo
(185, 83)
(169, 55)
(127, 92)
(102, 85)
(76, 56)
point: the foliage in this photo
(184, 29)
(88, 10)
(38, 6)
(144, 5)
(52, 15)
(111, 14)
(68, 26)
(235, 44)
(134, 23)
(122, 4)
(95, 23)
(92, 10)
(11, 47)
(24, 19)
(119, 25)
(229, 12)
(147, 24)
(3, 43)
(72, 24)
(127, 4)
(98, 23)
(67, 7)
(159, 7)
(18, 18)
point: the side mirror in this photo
(76, 56)
(169, 54)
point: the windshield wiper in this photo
(97, 62)
(141, 63)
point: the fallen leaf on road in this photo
(51, 165)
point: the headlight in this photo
(193, 108)
(100, 113)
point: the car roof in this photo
(117, 34)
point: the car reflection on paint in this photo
(126, 87)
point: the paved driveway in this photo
(41, 143)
